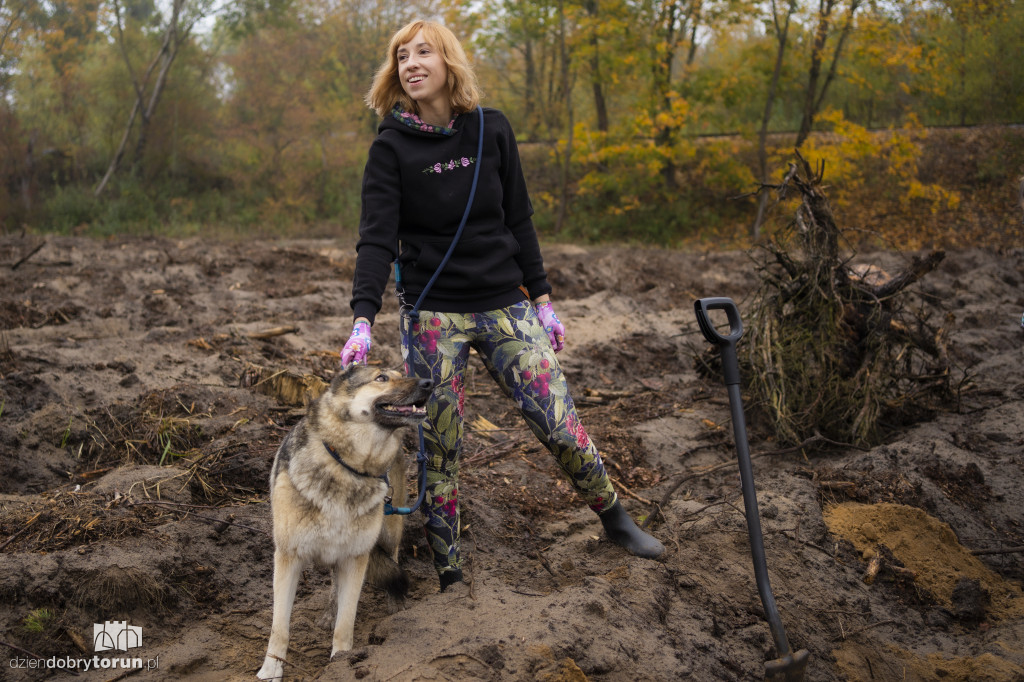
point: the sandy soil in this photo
(134, 451)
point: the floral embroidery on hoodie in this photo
(449, 165)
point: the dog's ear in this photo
(349, 374)
(344, 375)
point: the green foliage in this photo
(855, 156)
(69, 208)
(261, 125)
(38, 620)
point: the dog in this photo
(328, 486)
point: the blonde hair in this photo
(386, 90)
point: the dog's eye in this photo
(381, 377)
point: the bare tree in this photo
(815, 95)
(183, 17)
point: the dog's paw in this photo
(395, 603)
(353, 656)
(272, 669)
(339, 650)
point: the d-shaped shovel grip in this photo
(725, 342)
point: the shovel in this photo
(788, 666)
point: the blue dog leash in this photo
(421, 459)
(414, 316)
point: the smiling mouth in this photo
(403, 410)
(408, 412)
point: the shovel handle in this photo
(725, 342)
(701, 308)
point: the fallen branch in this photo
(1008, 550)
(919, 267)
(287, 662)
(629, 493)
(31, 253)
(276, 331)
(18, 648)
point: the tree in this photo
(18, 156)
(814, 94)
(781, 32)
(673, 25)
(592, 8)
(183, 17)
(566, 88)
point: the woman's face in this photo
(422, 72)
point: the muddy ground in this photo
(136, 435)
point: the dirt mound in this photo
(928, 548)
(145, 385)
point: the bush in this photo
(69, 208)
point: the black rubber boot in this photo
(449, 578)
(621, 530)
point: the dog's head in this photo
(380, 396)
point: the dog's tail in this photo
(385, 573)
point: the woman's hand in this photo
(358, 345)
(552, 325)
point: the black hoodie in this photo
(415, 187)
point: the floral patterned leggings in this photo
(516, 351)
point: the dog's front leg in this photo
(287, 570)
(348, 583)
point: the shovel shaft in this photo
(739, 428)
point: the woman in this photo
(492, 295)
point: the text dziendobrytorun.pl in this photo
(86, 664)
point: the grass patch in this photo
(38, 620)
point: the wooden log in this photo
(288, 387)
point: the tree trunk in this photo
(834, 67)
(563, 208)
(119, 154)
(531, 88)
(596, 83)
(814, 71)
(782, 34)
(28, 174)
(814, 96)
(171, 44)
(665, 136)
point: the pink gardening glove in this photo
(358, 345)
(552, 325)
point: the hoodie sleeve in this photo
(518, 214)
(378, 230)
